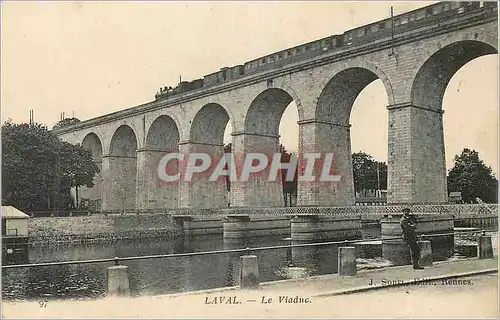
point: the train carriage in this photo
(395, 26)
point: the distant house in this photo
(14, 236)
(14, 223)
(455, 197)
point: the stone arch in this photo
(329, 134)
(369, 68)
(162, 138)
(92, 142)
(432, 78)
(264, 114)
(124, 142)
(339, 93)
(163, 134)
(120, 171)
(167, 116)
(209, 124)
(285, 86)
(206, 136)
(261, 135)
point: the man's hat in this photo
(406, 210)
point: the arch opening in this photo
(121, 171)
(266, 110)
(206, 137)
(271, 128)
(153, 192)
(93, 143)
(338, 96)
(433, 77)
(163, 134)
(422, 157)
(355, 95)
(369, 119)
(470, 121)
(91, 198)
(209, 125)
(123, 142)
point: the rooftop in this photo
(10, 212)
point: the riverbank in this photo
(315, 296)
(168, 224)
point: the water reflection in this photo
(166, 275)
(16, 255)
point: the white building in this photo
(14, 222)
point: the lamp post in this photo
(378, 178)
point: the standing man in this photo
(408, 225)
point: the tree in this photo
(473, 178)
(368, 174)
(39, 169)
(66, 122)
(289, 187)
(78, 167)
(28, 158)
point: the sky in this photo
(91, 58)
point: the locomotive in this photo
(399, 24)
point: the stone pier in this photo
(198, 225)
(315, 228)
(243, 226)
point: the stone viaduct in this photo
(415, 67)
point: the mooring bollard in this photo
(347, 261)
(249, 272)
(118, 283)
(426, 259)
(484, 248)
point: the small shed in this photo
(14, 222)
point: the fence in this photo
(60, 213)
(457, 210)
(476, 221)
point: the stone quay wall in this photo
(98, 227)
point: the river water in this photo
(161, 276)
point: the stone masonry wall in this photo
(97, 228)
(152, 192)
(119, 182)
(399, 164)
(428, 157)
